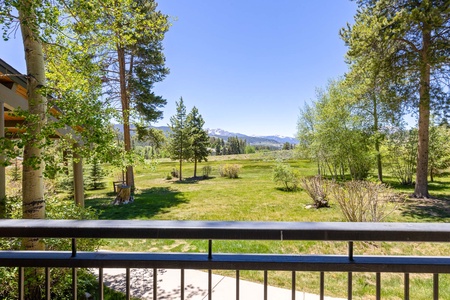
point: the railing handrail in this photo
(227, 230)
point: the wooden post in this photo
(78, 178)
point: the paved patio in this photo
(196, 286)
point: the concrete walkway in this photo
(196, 286)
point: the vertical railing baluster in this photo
(209, 271)
(127, 284)
(182, 285)
(47, 283)
(209, 284)
(322, 285)
(74, 247)
(378, 286)
(350, 275)
(237, 284)
(265, 284)
(436, 286)
(100, 284)
(406, 286)
(155, 283)
(294, 289)
(21, 283)
(210, 249)
(74, 283)
(350, 286)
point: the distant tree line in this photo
(233, 145)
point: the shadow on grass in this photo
(192, 180)
(435, 209)
(147, 204)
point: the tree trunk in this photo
(129, 176)
(33, 166)
(33, 202)
(421, 187)
(195, 167)
(377, 140)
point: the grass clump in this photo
(229, 170)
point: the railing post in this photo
(406, 286)
(322, 286)
(127, 284)
(265, 284)
(74, 247)
(47, 283)
(182, 285)
(74, 283)
(436, 286)
(100, 284)
(155, 283)
(237, 284)
(21, 283)
(209, 249)
(293, 285)
(378, 286)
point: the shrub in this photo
(206, 171)
(230, 171)
(317, 189)
(174, 173)
(363, 201)
(287, 176)
(60, 278)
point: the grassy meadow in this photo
(255, 197)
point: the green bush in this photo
(61, 282)
(287, 176)
(229, 170)
(206, 171)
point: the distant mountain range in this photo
(269, 140)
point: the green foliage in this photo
(412, 39)
(61, 278)
(206, 171)
(250, 149)
(439, 155)
(96, 175)
(229, 170)
(331, 134)
(199, 140)
(364, 201)
(283, 173)
(179, 140)
(402, 153)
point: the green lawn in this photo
(255, 197)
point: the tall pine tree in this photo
(179, 140)
(199, 138)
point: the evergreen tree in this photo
(198, 137)
(96, 175)
(417, 35)
(179, 140)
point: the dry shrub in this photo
(229, 170)
(317, 189)
(364, 201)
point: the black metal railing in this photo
(208, 230)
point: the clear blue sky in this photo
(247, 65)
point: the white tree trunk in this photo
(32, 179)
